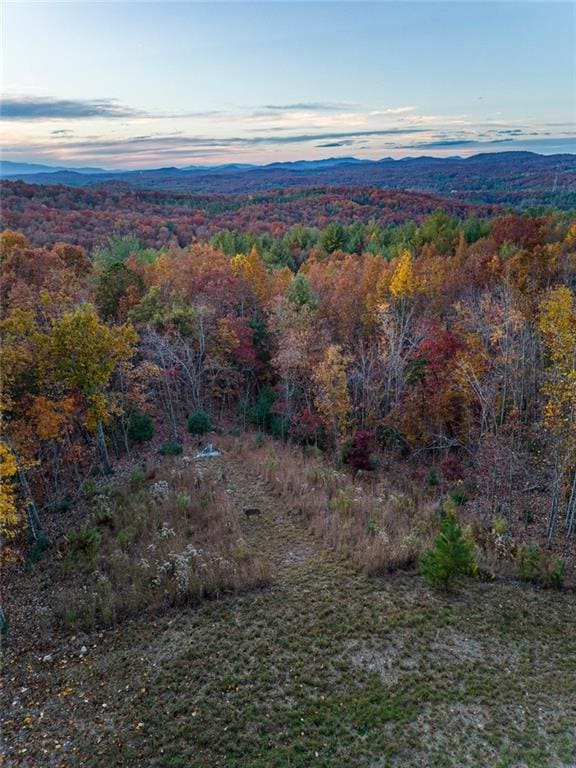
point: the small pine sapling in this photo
(199, 423)
(450, 557)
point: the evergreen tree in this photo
(450, 557)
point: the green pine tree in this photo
(450, 557)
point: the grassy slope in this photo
(326, 667)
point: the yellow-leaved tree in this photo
(252, 268)
(404, 283)
(80, 353)
(332, 396)
(557, 322)
(10, 519)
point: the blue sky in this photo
(143, 84)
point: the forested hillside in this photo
(447, 346)
(520, 179)
(288, 385)
(87, 217)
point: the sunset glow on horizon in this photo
(140, 85)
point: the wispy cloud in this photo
(443, 143)
(310, 106)
(173, 143)
(46, 108)
(391, 111)
(331, 144)
(292, 130)
(510, 131)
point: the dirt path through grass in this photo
(325, 668)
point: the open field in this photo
(324, 667)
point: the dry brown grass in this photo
(168, 540)
(378, 523)
(386, 519)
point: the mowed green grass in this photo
(343, 671)
(325, 668)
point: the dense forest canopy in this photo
(88, 216)
(450, 340)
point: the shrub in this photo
(279, 427)
(499, 526)
(104, 517)
(271, 464)
(451, 469)
(82, 546)
(357, 452)
(313, 452)
(554, 573)
(199, 423)
(140, 427)
(450, 557)
(136, 478)
(459, 497)
(39, 546)
(529, 562)
(540, 568)
(343, 501)
(90, 488)
(527, 516)
(260, 414)
(183, 499)
(171, 448)
(308, 428)
(64, 505)
(126, 535)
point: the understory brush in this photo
(383, 520)
(380, 525)
(146, 546)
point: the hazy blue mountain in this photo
(521, 179)
(11, 168)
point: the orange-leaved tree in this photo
(80, 353)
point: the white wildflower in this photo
(166, 532)
(160, 490)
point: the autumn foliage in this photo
(438, 337)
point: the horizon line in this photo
(87, 167)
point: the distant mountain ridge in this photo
(518, 178)
(11, 169)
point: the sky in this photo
(149, 84)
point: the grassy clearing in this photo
(164, 539)
(328, 667)
(384, 521)
(379, 523)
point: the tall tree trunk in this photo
(34, 524)
(571, 509)
(554, 506)
(103, 449)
